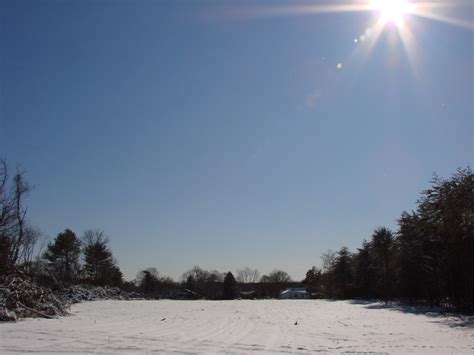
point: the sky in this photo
(230, 134)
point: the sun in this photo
(391, 11)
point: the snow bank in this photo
(267, 326)
(80, 293)
(22, 297)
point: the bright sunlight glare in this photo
(391, 11)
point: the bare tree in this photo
(329, 259)
(6, 220)
(21, 188)
(30, 239)
(43, 243)
(12, 217)
(248, 275)
(6, 213)
(196, 274)
(276, 276)
(205, 283)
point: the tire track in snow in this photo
(266, 326)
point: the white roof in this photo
(295, 289)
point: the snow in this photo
(267, 326)
(294, 292)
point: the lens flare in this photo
(401, 15)
(391, 11)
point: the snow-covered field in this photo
(267, 326)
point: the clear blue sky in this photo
(195, 133)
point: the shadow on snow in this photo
(453, 320)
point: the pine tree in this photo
(343, 273)
(230, 287)
(382, 243)
(99, 264)
(364, 271)
(312, 279)
(63, 256)
(148, 281)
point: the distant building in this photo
(294, 293)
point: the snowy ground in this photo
(270, 326)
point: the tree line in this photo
(429, 259)
(62, 260)
(70, 260)
(67, 259)
(211, 284)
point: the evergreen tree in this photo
(342, 274)
(445, 226)
(364, 271)
(116, 276)
(382, 242)
(430, 259)
(148, 281)
(99, 265)
(312, 279)
(230, 290)
(412, 262)
(62, 256)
